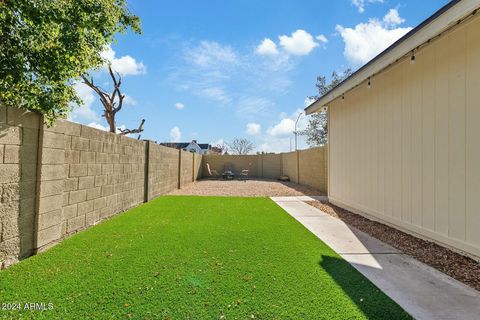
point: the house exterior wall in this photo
(406, 151)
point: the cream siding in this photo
(407, 150)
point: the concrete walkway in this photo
(422, 291)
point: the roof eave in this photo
(440, 21)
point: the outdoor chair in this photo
(213, 174)
(244, 175)
(228, 172)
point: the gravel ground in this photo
(249, 188)
(455, 265)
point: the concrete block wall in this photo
(162, 170)
(238, 162)
(86, 175)
(270, 165)
(197, 166)
(60, 180)
(186, 168)
(290, 166)
(306, 167)
(313, 168)
(18, 162)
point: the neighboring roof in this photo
(177, 145)
(182, 145)
(204, 146)
(448, 16)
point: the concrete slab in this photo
(422, 291)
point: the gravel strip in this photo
(249, 188)
(457, 266)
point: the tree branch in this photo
(129, 131)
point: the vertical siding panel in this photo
(336, 168)
(361, 169)
(456, 132)
(371, 148)
(333, 120)
(375, 97)
(381, 144)
(428, 139)
(397, 142)
(331, 145)
(441, 136)
(416, 71)
(388, 133)
(349, 146)
(406, 146)
(473, 134)
(357, 122)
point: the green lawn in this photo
(195, 258)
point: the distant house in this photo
(194, 146)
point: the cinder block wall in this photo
(18, 162)
(270, 165)
(289, 165)
(60, 180)
(313, 168)
(186, 168)
(236, 162)
(86, 175)
(163, 170)
(306, 167)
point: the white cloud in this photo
(280, 137)
(99, 126)
(125, 65)
(308, 101)
(284, 128)
(214, 93)
(179, 106)
(366, 40)
(322, 38)
(210, 53)
(253, 129)
(218, 142)
(267, 47)
(175, 134)
(392, 18)
(286, 125)
(360, 4)
(129, 101)
(84, 112)
(254, 107)
(224, 76)
(299, 43)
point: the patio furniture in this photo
(212, 173)
(244, 175)
(228, 173)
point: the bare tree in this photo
(241, 146)
(113, 102)
(222, 147)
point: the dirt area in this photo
(249, 188)
(455, 265)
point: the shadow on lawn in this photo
(372, 302)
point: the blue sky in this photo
(215, 70)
